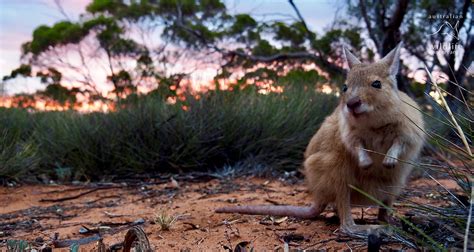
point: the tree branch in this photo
(363, 12)
(398, 15)
(322, 62)
(392, 29)
(61, 9)
(300, 16)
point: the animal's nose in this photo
(354, 103)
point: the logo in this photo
(446, 32)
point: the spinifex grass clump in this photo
(165, 221)
(219, 129)
(18, 153)
(449, 135)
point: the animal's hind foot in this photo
(363, 231)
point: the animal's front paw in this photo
(365, 162)
(389, 162)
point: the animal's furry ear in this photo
(350, 58)
(392, 60)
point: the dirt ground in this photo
(36, 212)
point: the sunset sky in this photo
(18, 19)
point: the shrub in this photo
(219, 129)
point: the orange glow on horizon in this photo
(195, 88)
(40, 104)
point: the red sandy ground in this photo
(198, 228)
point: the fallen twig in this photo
(281, 229)
(273, 202)
(79, 195)
(112, 215)
(78, 188)
(320, 242)
(136, 222)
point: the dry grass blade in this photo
(468, 149)
(389, 209)
(448, 109)
(468, 224)
(446, 189)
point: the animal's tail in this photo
(307, 212)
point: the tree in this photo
(149, 43)
(417, 23)
(117, 34)
(383, 20)
(441, 48)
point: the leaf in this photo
(280, 220)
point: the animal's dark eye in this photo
(344, 88)
(377, 84)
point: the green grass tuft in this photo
(149, 136)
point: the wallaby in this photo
(369, 142)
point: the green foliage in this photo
(221, 128)
(456, 165)
(294, 33)
(353, 36)
(417, 88)
(263, 48)
(122, 82)
(61, 33)
(50, 76)
(243, 22)
(197, 26)
(164, 87)
(60, 94)
(18, 154)
(109, 35)
(300, 78)
(54, 90)
(23, 70)
(325, 42)
(99, 21)
(101, 6)
(145, 60)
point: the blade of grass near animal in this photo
(448, 109)
(389, 209)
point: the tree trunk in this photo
(391, 38)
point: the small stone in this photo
(232, 200)
(139, 221)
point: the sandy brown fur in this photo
(352, 150)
